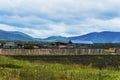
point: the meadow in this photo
(59, 68)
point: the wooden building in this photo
(60, 45)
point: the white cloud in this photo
(43, 18)
(7, 28)
(90, 25)
(60, 8)
(13, 28)
(38, 33)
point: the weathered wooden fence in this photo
(52, 52)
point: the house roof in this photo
(81, 42)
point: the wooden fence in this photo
(56, 52)
(53, 52)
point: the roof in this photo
(81, 42)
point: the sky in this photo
(44, 18)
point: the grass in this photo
(12, 69)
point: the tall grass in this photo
(11, 69)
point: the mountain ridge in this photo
(99, 37)
(95, 37)
(14, 35)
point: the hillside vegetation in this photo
(11, 69)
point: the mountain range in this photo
(99, 37)
(14, 35)
(96, 37)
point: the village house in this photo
(9, 45)
(82, 44)
(73, 44)
(36, 46)
(59, 45)
(20, 45)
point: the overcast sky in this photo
(43, 18)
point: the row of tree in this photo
(29, 44)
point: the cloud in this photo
(37, 32)
(43, 18)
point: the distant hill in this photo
(96, 37)
(56, 39)
(99, 37)
(14, 35)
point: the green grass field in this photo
(12, 69)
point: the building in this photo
(59, 45)
(82, 44)
(9, 45)
(20, 45)
(35, 47)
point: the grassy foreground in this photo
(11, 69)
